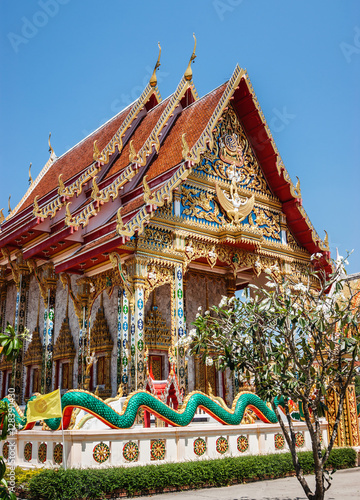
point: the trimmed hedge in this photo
(144, 480)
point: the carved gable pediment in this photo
(64, 346)
(232, 156)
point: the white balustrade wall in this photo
(177, 444)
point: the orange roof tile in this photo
(139, 137)
(76, 159)
(191, 121)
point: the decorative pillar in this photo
(3, 294)
(180, 326)
(48, 337)
(46, 279)
(230, 280)
(132, 355)
(139, 338)
(20, 274)
(123, 339)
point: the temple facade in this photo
(167, 207)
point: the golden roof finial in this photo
(96, 152)
(30, 178)
(51, 151)
(2, 216)
(188, 72)
(9, 204)
(153, 79)
(297, 187)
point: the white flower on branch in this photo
(223, 301)
(300, 287)
(209, 361)
(271, 284)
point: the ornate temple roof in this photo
(104, 190)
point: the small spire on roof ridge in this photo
(2, 216)
(9, 211)
(188, 72)
(51, 151)
(30, 178)
(153, 79)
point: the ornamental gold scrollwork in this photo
(268, 222)
(232, 156)
(201, 204)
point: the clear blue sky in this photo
(67, 66)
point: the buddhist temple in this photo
(116, 244)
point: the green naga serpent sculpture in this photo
(143, 399)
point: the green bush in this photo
(143, 480)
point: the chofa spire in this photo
(188, 72)
(153, 79)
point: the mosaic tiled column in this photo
(48, 343)
(132, 351)
(82, 351)
(139, 336)
(123, 339)
(3, 308)
(20, 322)
(180, 327)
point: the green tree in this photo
(11, 343)
(296, 338)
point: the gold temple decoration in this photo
(153, 79)
(120, 226)
(125, 280)
(45, 277)
(2, 216)
(326, 240)
(64, 346)
(236, 208)
(90, 361)
(51, 151)
(96, 152)
(18, 266)
(185, 147)
(188, 71)
(95, 189)
(147, 192)
(9, 209)
(157, 334)
(30, 178)
(297, 187)
(101, 345)
(67, 220)
(132, 153)
(33, 355)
